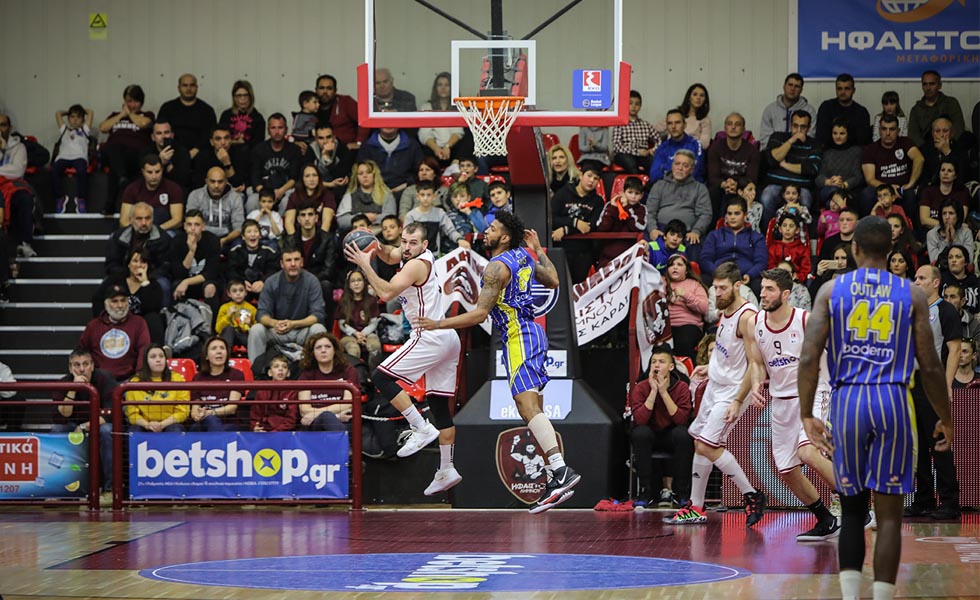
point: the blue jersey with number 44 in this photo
(870, 329)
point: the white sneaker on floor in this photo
(444, 479)
(871, 522)
(418, 439)
(25, 250)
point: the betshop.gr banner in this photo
(888, 39)
(43, 465)
(303, 464)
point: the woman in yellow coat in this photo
(147, 417)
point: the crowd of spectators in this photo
(244, 215)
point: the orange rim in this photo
(484, 102)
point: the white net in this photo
(489, 119)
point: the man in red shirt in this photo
(661, 407)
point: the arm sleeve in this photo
(344, 212)
(760, 256)
(681, 395)
(559, 213)
(223, 318)
(238, 212)
(703, 211)
(16, 164)
(638, 398)
(709, 247)
(811, 164)
(314, 296)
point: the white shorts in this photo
(434, 354)
(788, 435)
(710, 426)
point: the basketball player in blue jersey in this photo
(506, 298)
(876, 323)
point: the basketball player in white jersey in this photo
(778, 335)
(726, 371)
(434, 354)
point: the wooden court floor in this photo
(149, 553)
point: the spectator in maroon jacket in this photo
(661, 407)
(213, 367)
(624, 214)
(116, 338)
(275, 417)
(340, 112)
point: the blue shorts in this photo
(524, 357)
(873, 429)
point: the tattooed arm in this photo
(545, 271)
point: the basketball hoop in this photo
(489, 119)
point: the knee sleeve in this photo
(439, 409)
(383, 382)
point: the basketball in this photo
(363, 239)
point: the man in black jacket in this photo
(140, 233)
(195, 260)
(319, 250)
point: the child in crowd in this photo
(72, 152)
(465, 214)
(275, 417)
(904, 240)
(305, 120)
(670, 243)
(358, 314)
(360, 221)
(624, 214)
(467, 173)
(885, 206)
(439, 228)
(746, 191)
(790, 247)
(500, 199)
(268, 218)
(688, 300)
(594, 144)
(827, 225)
(236, 316)
(890, 106)
(791, 206)
(252, 261)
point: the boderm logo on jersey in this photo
(520, 463)
(251, 465)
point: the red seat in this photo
(600, 189)
(488, 179)
(244, 365)
(185, 366)
(686, 362)
(573, 147)
(548, 140)
(619, 182)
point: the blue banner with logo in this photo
(299, 464)
(888, 39)
(43, 465)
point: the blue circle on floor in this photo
(445, 572)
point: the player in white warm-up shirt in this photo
(434, 354)
(726, 370)
(778, 332)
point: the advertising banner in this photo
(43, 465)
(306, 464)
(888, 39)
